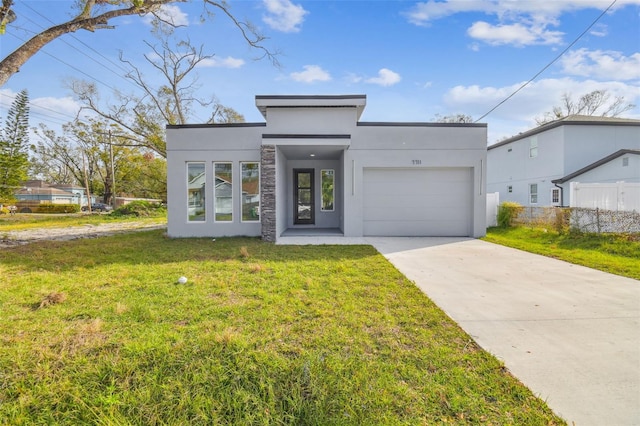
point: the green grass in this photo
(97, 331)
(617, 254)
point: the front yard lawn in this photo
(98, 331)
(617, 254)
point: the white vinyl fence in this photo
(493, 200)
(619, 196)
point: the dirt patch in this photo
(15, 238)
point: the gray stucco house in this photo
(313, 167)
(536, 168)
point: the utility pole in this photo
(113, 173)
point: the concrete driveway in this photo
(569, 333)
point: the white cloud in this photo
(516, 34)
(169, 13)
(228, 62)
(385, 77)
(48, 109)
(311, 74)
(283, 15)
(424, 12)
(599, 30)
(531, 102)
(606, 65)
(519, 22)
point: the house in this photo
(313, 167)
(35, 192)
(537, 167)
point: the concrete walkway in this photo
(569, 333)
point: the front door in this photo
(303, 197)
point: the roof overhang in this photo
(309, 147)
(263, 102)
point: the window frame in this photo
(215, 190)
(333, 190)
(555, 196)
(242, 198)
(203, 191)
(533, 194)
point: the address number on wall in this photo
(416, 162)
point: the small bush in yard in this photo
(58, 208)
(140, 208)
(508, 211)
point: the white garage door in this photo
(417, 202)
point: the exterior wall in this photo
(613, 171)
(281, 193)
(512, 165)
(561, 150)
(585, 145)
(321, 121)
(413, 147)
(268, 194)
(233, 144)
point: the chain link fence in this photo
(604, 221)
(581, 219)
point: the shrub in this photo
(58, 208)
(508, 212)
(140, 208)
(561, 223)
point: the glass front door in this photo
(303, 197)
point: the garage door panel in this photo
(417, 202)
(411, 228)
(427, 215)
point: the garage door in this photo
(417, 202)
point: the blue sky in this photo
(413, 60)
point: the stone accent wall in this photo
(268, 192)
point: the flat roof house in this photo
(313, 167)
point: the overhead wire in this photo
(24, 3)
(522, 86)
(122, 68)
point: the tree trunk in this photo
(12, 63)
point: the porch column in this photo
(268, 192)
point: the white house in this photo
(313, 167)
(536, 168)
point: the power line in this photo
(81, 42)
(549, 64)
(68, 64)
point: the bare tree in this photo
(596, 103)
(143, 117)
(453, 118)
(92, 15)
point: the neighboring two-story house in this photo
(536, 168)
(314, 167)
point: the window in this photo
(555, 196)
(223, 192)
(533, 193)
(533, 147)
(510, 188)
(625, 161)
(250, 192)
(328, 192)
(196, 192)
